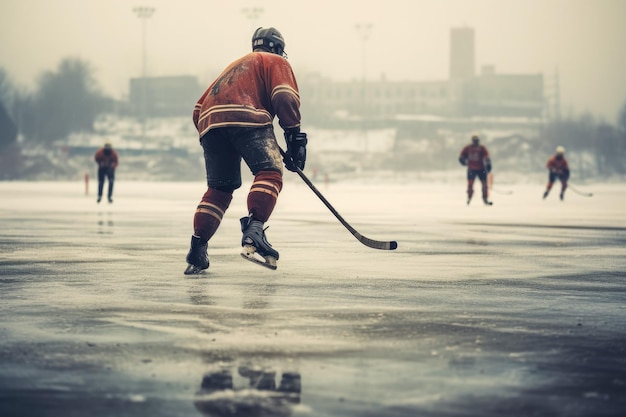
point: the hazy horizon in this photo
(409, 40)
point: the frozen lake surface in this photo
(512, 310)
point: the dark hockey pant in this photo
(553, 176)
(224, 148)
(108, 174)
(482, 176)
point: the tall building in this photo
(465, 94)
(461, 53)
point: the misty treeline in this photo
(68, 100)
(606, 142)
(65, 101)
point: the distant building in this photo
(163, 96)
(324, 99)
(464, 94)
(503, 95)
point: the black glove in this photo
(488, 167)
(463, 160)
(295, 157)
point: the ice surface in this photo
(515, 309)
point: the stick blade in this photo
(376, 244)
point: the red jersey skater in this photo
(476, 157)
(558, 168)
(234, 120)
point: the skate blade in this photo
(193, 270)
(249, 253)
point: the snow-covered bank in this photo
(169, 151)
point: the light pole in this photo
(252, 13)
(143, 13)
(364, 30)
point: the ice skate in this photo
(219, 380)
(255, 246)
(561, 196)
(197, 258)
(487, 202)
(291, 387)
(290, 383)
(545, 194)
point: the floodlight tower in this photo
(252, 14)
(143, 13)
(364, 31)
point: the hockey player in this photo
(557, 168)
(234, 120)
(476, 157)
(107, 160)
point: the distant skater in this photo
(557, 169)
(476, 157)
(234, 118)
(107, 159)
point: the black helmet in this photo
(269, 39)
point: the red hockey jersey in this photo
(476, 156)
(557, 165)
(103, 160)
(251, 91)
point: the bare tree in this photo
(67, 101)
(621, 119)
(8, 129)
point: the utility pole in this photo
(557, 95)
(143, 13)
(363, 30)
(553, 97)
(252, 14)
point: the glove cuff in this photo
(295, 138)
(292, 131)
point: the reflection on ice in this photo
(105, 222)
(254, 395)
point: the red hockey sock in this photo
(264, 193)
(209, 213)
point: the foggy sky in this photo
(584, 39)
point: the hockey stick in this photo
(495, 190)
(375, 244)
(579, 192)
